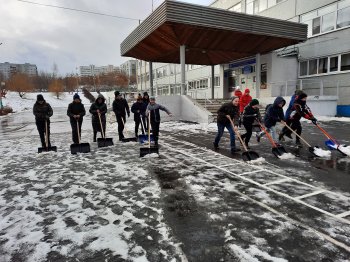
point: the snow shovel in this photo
(47, 148)
(311, 148)
(144, 138)
(247, 155)
(103, 142)
(129, 139)
(149, 150)
(331, 143)
(277, 150)
(81, 147)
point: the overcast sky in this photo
(43, 35)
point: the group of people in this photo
(229, 116)
(143, 108)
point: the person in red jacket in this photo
(238, 92)
(244, 100)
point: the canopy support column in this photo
(212, 81)
(151, 78)
(258, 75)
(183, 68)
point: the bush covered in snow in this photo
(6, 110)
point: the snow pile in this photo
(321, 152)
(287, 156)
(258, 161)
(345, 149)
(153, 155)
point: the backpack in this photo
(267, 107)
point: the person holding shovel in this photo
(98, 110)
(139, 110)
(120, 108)
(225, 113)
(42, 112)
(76, 112)
(274, 113)
(152, 112)
(250, 113)
(299, 110)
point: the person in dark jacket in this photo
(250, 113)
(153, 113)
(145, 98)
(226, 111)
(42, 112)
(274, 113)
(76, 113)
(299, 110)
(99, 108)
(120, 108)
(139, 110)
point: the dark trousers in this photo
(120, 126)
(249, 131)
(41, 126)
(221, 128)
(155, 130)
(295, 125)
(73, 124)
(143, 125)
(97, 128)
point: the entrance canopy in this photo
(212, 36)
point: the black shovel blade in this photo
(250, 155)
(312, 150)
(148, 150)
(80, 148)
(104, 142)
(47, 149)
(130, 139)
(276, 152)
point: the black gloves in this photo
(314, 121)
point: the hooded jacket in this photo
(250, 114)
(274, 112)
(238, 93)
(153, 110)
(120, 106)
(139, 110)
(98, 106)
(42, 112)
(299, 110)
(244, 100)
(75, 108)
(228, 109)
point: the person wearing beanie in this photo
(145, 98)
(139, 110)
(98, 110)
(120, 109)
(250, 113)
(42, 112)
(153, 113)
(226, 111)
(299, 110)
(244, 100)
(238, 92)
(76, 112)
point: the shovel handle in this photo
(103, 133)
(238, 135)
(46, 135)
(126, 130)
(78, 131)
(326, 134)
(149, 130)
(295, 133)
(268, 135)
(143, 127)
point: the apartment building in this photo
(7, 69)
(92, 70)
(320, 66)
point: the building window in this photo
(343, 17)
(303, 68)
(345, 62)
(217, 81)
(316, 26)
(328, 22)
(313, 67)
(250, 7)
(333, 64)
(322, 65)
(236, 8)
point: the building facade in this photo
(8, 69)
(129, 68)
(320, 66)
(92, 70)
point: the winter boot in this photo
(235, 150)
(297, 142)
(289, 135)
(216, 146)
(281, 138)
(258, 137)
(95, 134)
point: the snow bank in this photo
(286, 156)
(258, 161)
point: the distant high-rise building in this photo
(92, 70)
(8, 69)
(129, 68)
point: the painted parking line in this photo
(279, 181)
(344, 214)
(311, 194)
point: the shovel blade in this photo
(276, 152)
(47, 149)
(80, 148)
(144, 139)
(250, 155)
(130, 139)
(331, 145)
(148, 150)
(104, 142)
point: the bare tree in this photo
(56, 87)
(20, 83)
